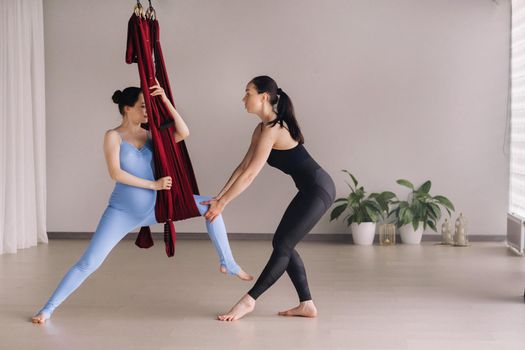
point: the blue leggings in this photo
(113, 226)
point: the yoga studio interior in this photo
(262, 174)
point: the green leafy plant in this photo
(360, 207)
(420, 206)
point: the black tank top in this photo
(297, 163)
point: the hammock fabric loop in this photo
(170, 158)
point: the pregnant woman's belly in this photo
(138, 162)
(134, 200)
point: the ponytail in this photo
(285, 110)
(286, 114)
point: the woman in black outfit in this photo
(278, 141)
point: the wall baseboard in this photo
(320, 237)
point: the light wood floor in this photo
(402, 297)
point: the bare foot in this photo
(242, 308)
(244, 276)
(241, 274)
(305, 309)
(40, 318)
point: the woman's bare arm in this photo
(265, 139)
(181, 129)
(111, 152)
(241, 167)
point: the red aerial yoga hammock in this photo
(171, 158)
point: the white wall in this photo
(387, 89)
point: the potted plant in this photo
(363, 211)
(419, 211)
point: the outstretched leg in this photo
(113, 226)
(219, 237)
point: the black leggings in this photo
(305, 210)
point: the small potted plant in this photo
(419, 211)
(363, 211)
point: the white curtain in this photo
(22, 125)
(517, 111)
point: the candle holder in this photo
(387, 234)
(446, 234)
(461, 233)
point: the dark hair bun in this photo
(127, 97)
(117, 96)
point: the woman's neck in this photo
(267, 117)
(130, 126)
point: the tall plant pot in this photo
(363, 233)
(411, 236)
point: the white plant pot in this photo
(409, 236)
(363, 233)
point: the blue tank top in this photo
(137, 162)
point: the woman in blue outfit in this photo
(129, 157)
